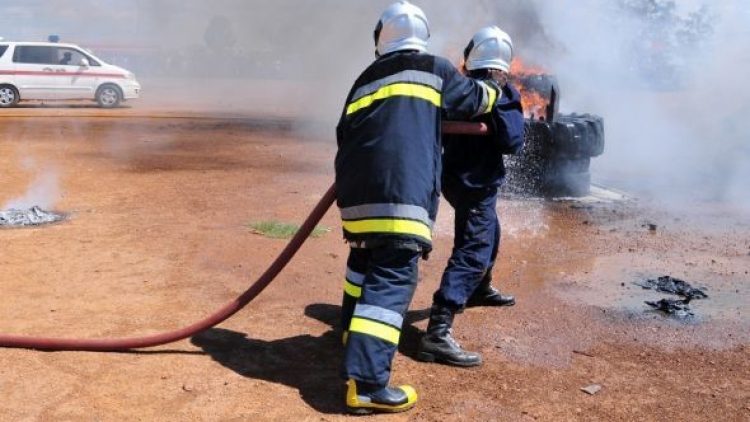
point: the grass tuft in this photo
(280, 230)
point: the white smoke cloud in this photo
(43, 191)
(675, 118)
(675, 114)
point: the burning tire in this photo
(579, 135)
(559, 147)
(9, 96)
(557, 156)
(108, 96)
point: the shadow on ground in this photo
(307, 363)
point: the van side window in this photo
(3, 48)
(35, 54)
(92, 61)
(72, 57)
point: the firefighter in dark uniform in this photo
(388, 182)
(473, 171)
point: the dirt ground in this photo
(157, 237)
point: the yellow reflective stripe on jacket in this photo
(388, 225)
(352, 289)
(375, 329)
(399, 89)
(492, 97)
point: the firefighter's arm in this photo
(339, 134)
(342, 124)
(507, 121)
(465, 98)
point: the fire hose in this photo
(225, 312)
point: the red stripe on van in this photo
(78, 74)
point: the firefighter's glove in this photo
(500, 77)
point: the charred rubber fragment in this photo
(675, 307)
(669, 284)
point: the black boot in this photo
(486, 295)
(438, 345)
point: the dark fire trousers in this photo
(475, 244)
(378, 289)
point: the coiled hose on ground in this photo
(231, 308)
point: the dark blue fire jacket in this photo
(476, 162)
(389, 144)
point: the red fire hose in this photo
(121, 344)
(465, 128)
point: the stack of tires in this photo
(557, 156)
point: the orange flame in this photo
(519, 68)
(534, 103)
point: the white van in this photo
(52, 71)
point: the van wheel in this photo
(8, 96)
(108, 96)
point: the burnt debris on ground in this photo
(33, 216)
(676, 307)
(679, 308)
(675, 286)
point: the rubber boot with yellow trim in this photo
(363, 399)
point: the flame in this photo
(534, 103)
(520, 68)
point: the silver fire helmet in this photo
(403, 26)
(491, 48)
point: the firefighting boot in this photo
(438, 344)
(486, 295)
(363, 399)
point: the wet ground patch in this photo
(613, 285)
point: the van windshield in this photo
(2, 50)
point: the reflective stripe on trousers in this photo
(375, 318)
(356, 267)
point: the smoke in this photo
(669, 79)
(43, 191)
(667, 76)
(280, 57)
(43, 188)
